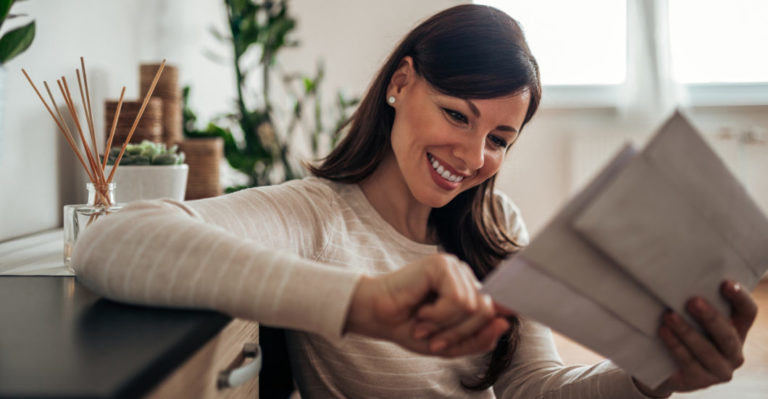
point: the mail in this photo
(651, 230)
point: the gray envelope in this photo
(678, 221)
(565, 255)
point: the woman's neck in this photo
(387, 191)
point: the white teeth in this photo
(442, 171)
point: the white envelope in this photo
(678, 221)
(519, 285)
(649, 232)
(565, 255)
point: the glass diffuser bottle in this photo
(101, 202)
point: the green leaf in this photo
(309, 85)
(16, 41)
(218, 35)
(5, 6)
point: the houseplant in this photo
(256, 142)
(149, 170)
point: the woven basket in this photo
(150, 126)
(203, 157)
(168, 91)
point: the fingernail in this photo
(420, 333)
(700, 305)
(732, 286)
(438, 345)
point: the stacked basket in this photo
(169, 92)
(162, 122)
(203, 155)
(150, 125)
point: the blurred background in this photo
(613, 70)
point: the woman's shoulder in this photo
(306, 189)
(512, 216)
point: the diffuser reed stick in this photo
(90, 162)
(136, 121)
(114, 127)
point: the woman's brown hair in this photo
(472, 52)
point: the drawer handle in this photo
(233, 376)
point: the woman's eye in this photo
(456, 116)
(498, 141)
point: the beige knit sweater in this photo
(290, 256)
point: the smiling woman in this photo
(386, 242)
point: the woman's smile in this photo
(444, 175)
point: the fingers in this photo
(744, 307)
(457, 295)
(484, 315)
(722, 332)
(695, 354)
(503, 311)
(690, 369)
(706, 361)
(483, 341)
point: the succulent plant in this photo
(147, 153)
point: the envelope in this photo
(564, 254)
(678, 221)
(650, 231)
(564, 310)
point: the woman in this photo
(412, 179)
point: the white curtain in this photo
(650, 93)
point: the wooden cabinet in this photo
(197, 378)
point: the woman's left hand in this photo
(706, 361)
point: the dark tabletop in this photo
(57, 339)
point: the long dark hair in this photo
(468, 51)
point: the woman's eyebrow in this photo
(472, 107)
(476, 112)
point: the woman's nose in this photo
(472, 152)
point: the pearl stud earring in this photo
(391, 99)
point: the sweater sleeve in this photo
(249, 254)
(536, 372)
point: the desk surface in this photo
(57, 339)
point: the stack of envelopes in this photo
(652, 230)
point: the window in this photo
(589, 47)
(719, 41)
(601, 52)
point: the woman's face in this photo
(444, 145)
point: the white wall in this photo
(556, 154)
(32, 169)
(38, 171)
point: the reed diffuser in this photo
(101, 190)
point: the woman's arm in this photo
(225, 254)
(172, 254)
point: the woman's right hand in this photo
(431, 306)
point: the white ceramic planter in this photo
(135, 182)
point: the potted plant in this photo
(255, 142)
(149, 170)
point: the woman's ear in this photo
(403, 76)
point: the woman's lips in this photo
(442, 182)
